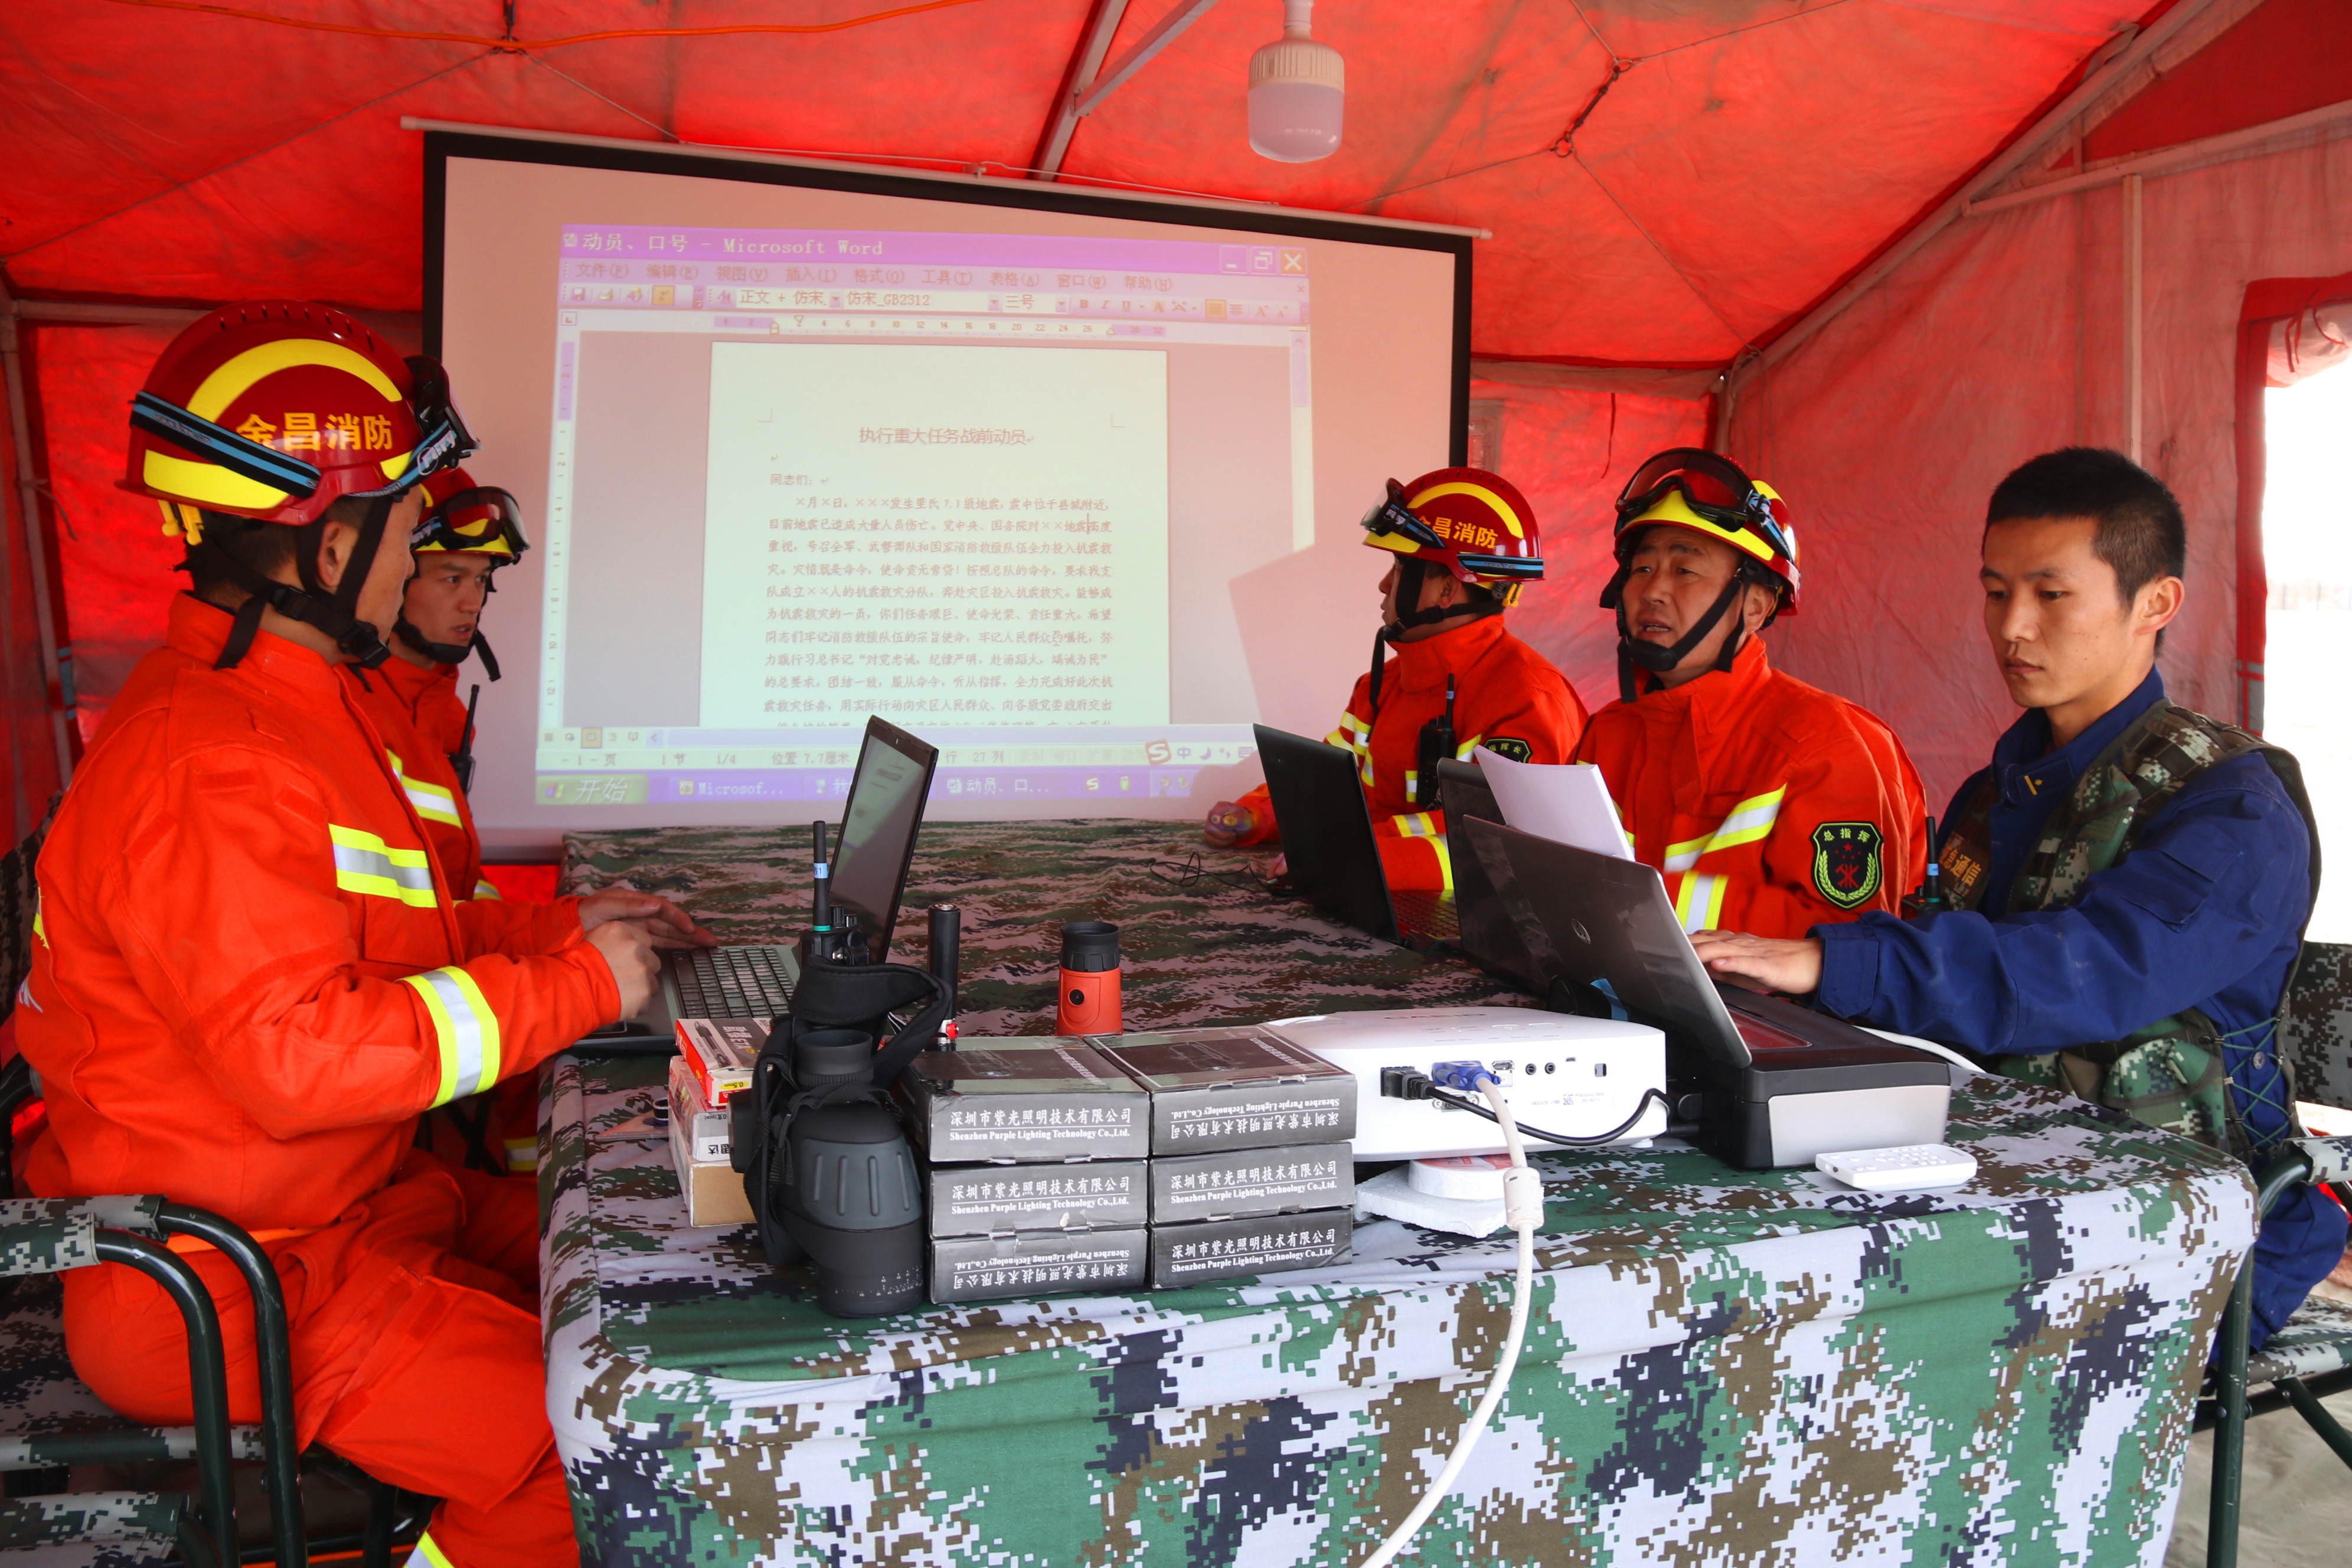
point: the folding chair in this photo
(66, 1426)
(49, 1419)
(2310, 1357)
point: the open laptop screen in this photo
(1589, 918)
(878, 825)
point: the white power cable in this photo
(1930, 1047)
(1523, 1211)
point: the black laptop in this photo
(1333, 855)
(879, 822)
(1779, 1082)
(1488, 935)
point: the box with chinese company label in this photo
(1212, 1249)
(986, 1200)
(1038, 1263)
(1024, 1100)
(1242, 1182)
(1234, 1089)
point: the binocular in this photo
(842, 1190)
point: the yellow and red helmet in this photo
(463, 517)
(1474, 524)
(275, 411)
(1690, 487)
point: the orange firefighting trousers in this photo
(414, 1329)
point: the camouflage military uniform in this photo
(2156, 866)
(2168, 1073)
(1722, 1368)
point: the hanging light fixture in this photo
(1297, 89)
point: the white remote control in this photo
(1913, 1168)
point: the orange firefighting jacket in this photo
(248, 978)
(418, 714)
(197, 630)
(1507, 696)
(1769, 804)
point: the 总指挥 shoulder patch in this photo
(1849, 862)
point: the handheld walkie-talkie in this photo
(832, 935)
(1930, 899)
(461, 760)
(1436, 743)
(947, 944)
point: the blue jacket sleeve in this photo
(2214, 894)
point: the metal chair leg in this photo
(2306, 1404)
(194, 1550)
(384, 1499)
(207, 1373)
(2230, 1430)
(2230, 1376)
(277, 1368)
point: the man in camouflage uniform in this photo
(2131, 880)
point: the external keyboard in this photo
(731, 982)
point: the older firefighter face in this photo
(1675, 578)
(1439, 590)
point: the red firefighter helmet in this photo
(275, 411)
(463, 517)
(1474, 524)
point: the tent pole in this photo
(1102, 25)
(2135, 321)
(2007, 162)
(28, 508)
(1082, 90)
(2247, 143)
(1164, 34)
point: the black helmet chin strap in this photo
(1632, 652)
(311, 603)
(438, 652)
(1410, 574)
(451, 652)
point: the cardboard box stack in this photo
(714, 1060)
(1035, 1152)
(1251, 1172)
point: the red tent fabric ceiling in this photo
(1736, 159)
(1731, 163)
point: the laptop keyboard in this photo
(732, 982)
(1423, 912)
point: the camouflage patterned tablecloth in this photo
(1723, 1367)
(1197, 951)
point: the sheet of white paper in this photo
(1565, 802)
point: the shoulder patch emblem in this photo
(1849, 862)
(1509, 746)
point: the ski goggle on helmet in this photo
(468, 519)
(1689, 487)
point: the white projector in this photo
(1577, 1077)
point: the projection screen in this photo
(1068, 484)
